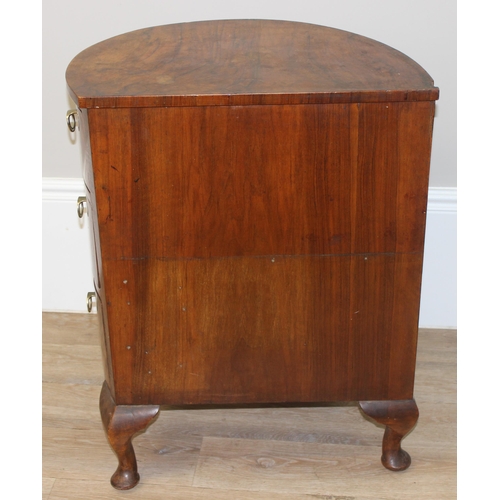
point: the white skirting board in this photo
(67, 271)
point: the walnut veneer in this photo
(257, 192)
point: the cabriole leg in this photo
(399, 417)
(121, 424)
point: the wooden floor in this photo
(241, 454)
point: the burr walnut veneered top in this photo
(242, 62)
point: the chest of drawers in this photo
(257, 193)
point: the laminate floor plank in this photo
(47, 485)
(69, 328)
(74, 453)
(435, 383)
(71, 406)
(324, 425)
(316, 468)
(97, 490)
(72, 364)
(326, 452)
(437, 345)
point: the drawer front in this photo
(104, 337)
(88, 179)
(94, 236)
(85, 148)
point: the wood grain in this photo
(216, 346)
(261, 180)
(310, 230)
(242, 62)
(77, 460)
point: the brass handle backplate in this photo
(80, 207)
(90, 301)
(71, 119)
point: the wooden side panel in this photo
(262, 253)
(231, 330)
(223, 181)
(391, 178)
(262, 180)
(260, 329)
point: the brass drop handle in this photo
(80, 207)
(71, 119)
(90, 301)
